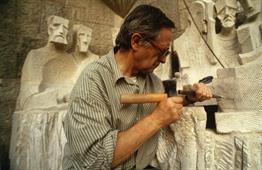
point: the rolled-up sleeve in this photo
(88, 127)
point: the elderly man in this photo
(102, 133)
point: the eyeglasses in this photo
(163, 53)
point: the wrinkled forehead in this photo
(58, 20)
(221, 4)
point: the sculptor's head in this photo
(83, 37)
(57, 29)
(226, 12)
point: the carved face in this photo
(227, 17)
(83, 40)
(58, 29)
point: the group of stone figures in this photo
(223, 39)
(48, 76)
(50, 72)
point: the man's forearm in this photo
(130, 140)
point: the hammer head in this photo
(170, 87)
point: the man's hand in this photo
(168, 111)
(202, 92)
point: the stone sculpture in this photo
(81, 54)
(36, 59)
(62, 72)
(226, 43)
(43, 147)
(250, 33)
(235, 142)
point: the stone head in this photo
(226, 12)
(57, 29)
(82, 37)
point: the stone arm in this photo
(30, 80)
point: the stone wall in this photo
(23, 27)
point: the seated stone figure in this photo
(61, 73)
(33, 67)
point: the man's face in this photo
(58, 30)
(227, 17)
(83, 40)
(154, 52)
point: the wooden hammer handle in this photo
(142, 98)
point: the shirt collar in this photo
(118, 75)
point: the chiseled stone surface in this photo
(240, 87)
(38, 139)
(238, 81)
(243, 122)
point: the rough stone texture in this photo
(240, 88)
(242, 122)
(8, 92)
(39, 143)
(9, 84)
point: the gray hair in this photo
(144, 19)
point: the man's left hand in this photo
(202, 91)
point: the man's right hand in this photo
(168, 111)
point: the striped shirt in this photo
(95, 114)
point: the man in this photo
(102, 133)
(36, 59)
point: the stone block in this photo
(248, 121)
(240, 87)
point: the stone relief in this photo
(250, 32)
(229, 50)
(49, 74)
(226, 44)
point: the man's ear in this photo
(136, 41)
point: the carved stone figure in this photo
(62, 72)
(238, 131)
(45, 109)
(33, 67)
(226, 44)
(37, 122)
(81, 54)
